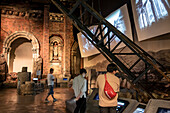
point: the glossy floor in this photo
(11, 102)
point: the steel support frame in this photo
(145, 57)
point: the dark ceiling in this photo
(107, 6)
(103, 6)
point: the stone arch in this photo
(74, 46)
(9, 39)
(21, 34)
(60, 41)
(56, 61)
(57, 38)
(75, 59)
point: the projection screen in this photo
(86, 47)
(119, 19)
(152, 17)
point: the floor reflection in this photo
(10, 102)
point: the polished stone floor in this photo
(10, 102)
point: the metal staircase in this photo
(114, 45)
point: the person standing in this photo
(50, 80)
(107, 105)
(80, 88)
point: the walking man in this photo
(50, 80)
(107, 105)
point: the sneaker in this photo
(46, 100)
(54, 99)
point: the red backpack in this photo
(110, 93)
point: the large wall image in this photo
(86, 47)
(120, 20)
(152, 17)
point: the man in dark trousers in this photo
(50, 80)
(80, 88)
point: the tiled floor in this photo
(11, 102)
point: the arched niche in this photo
(16, 35)
(56, 59)
(59, 43)
(75, 59)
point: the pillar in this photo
(46, 40)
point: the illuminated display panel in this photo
(163, 110)
(65, 79)
(152, 18)
(140, 109)
(35, 78)
(122, 104)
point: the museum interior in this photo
(67, 35)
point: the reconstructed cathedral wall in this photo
(38, 24)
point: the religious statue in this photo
(38, 67)
(55, 50)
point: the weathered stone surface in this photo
(163, 57)
(29, 88)
(11, 81)
(24, 76)
(3, 68)
(2, 77)
(10, 84)
(22, 89)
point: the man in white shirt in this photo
(80, 88)
(50, 80)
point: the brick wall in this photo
(64, 29)
(10, 25)
(69, 42)
(42, 28)
(46, 40)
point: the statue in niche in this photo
(55, 50)
(38, 67)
